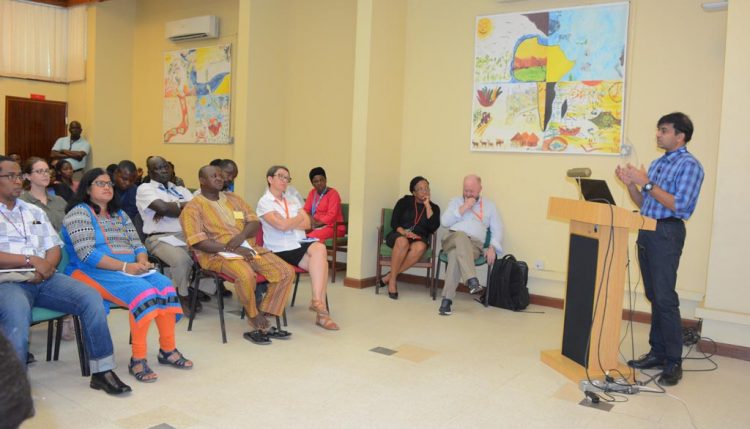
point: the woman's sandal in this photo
(318, 306)
(141, 371)
(175, 359)
(257, 337)
(324, 321)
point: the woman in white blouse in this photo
(284, 224)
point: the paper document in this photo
(172, 240)
(148, 273)
(18, 270)
(308, 240)
(232, 255)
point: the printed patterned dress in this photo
(89, 238)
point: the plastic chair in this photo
(338, 244)
(481, 260)
(384, 252)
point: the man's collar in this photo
(16, 204)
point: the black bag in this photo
(507, 288)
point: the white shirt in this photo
(474, 222)
(26, 230)
(151, 191)
(63, 143)
(274, 239)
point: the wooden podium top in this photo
(598, 214)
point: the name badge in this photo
(239, 215)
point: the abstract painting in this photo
(550, 81)
(197, 95)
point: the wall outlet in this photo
(539, 264)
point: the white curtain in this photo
(42, 42)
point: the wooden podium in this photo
(597, 261)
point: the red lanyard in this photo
(479, 216)
(23, 224)
(417, 214)
(286, 207)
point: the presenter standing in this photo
(668, 192)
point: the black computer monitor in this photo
(596, 191)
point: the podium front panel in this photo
(579, 296)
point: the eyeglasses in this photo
(12, 177)
(101, 184)
(41, 171)
(287, 179)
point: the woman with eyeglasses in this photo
(284, 224)
(414, 219)
(64, 186)
(36, 175)
(106, 254)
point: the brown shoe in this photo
(185, 302)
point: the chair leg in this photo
(82, 353)
(487, 289)
(327, 306)
(333, 264)
(220, 299)
(435, 281)
(50, 330)
(193, 298)
(58, 337)
(283, 315)
(294, 295)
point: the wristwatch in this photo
(648, 186)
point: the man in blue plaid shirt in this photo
(668, 193)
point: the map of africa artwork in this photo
(197, 95)
(550, 81)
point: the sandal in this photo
(257, 337)
(325, 322)
(174, 358)
(318, 306)
(144, 374)
(278, 334)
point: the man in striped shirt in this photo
(668, 192)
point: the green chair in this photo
(384, 252)
(481, 260)
(338, 244)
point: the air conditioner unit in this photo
(200, 27)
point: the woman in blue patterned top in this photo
(105, 253)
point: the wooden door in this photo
(33, 126)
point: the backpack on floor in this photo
(507, 288)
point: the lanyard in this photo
(172, 191)
(417, 214)
(479, 215)
(286, 207)
(23, 224)
(317, 201)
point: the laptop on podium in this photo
(597, 191)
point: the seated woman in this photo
(63, 186)
(36, 172)
(414, 218)
(105, 253)
(323, 204)
(284, 224)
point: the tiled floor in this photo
(478, 368)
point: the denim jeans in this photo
(659, 256)
(59, 293)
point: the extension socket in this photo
(602, 386)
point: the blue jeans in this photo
(59, 293)
(659, 256)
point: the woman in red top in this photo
(324, 206)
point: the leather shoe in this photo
(109, 382)
(647, 361)
(185, 302)
(671, 374)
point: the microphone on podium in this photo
(579, 172)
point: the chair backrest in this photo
(64, 258)
(345, 211)
(487, 239)
(385, 221)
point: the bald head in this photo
(205, 171)
(472, 186)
